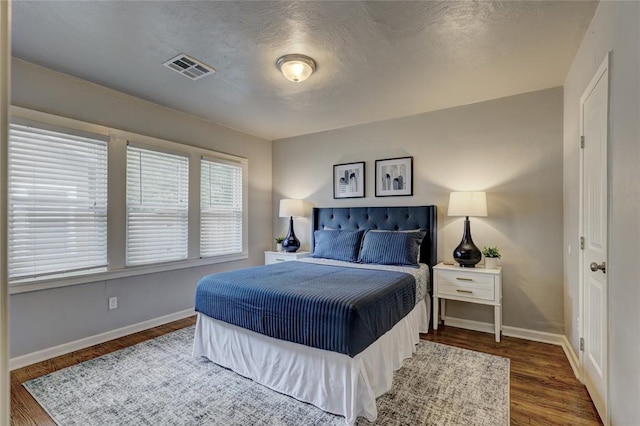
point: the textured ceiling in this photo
(376, 60)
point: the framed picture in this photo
(394, 177)
(348, 180)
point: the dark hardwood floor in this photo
(544, 390)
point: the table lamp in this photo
(467, 204)
(290, 208)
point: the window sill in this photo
(49, 283)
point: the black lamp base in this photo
(467, 254)
(291, 243)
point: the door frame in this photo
(602, 69)
(5, 86)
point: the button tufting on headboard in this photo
(382, 218)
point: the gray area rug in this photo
(158, 382)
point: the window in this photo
(171, 206)
(157, 206)
(57, 202)
(221, 215)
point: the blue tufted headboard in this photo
(386, 218)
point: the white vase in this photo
(490, 262)
(279, 247)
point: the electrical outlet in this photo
(113, 303)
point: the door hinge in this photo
(581, 243)
(582, 141)
(582, 344)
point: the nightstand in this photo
(282, 256)
(473, 285)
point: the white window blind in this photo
(157, 206)
(57, 202)
(220, 208)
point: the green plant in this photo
(279, 240)
(491, 252)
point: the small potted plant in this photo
(279, 241)
(491, 256)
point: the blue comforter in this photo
(335, 308)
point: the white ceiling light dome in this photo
(296, 67)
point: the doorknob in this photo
(603, 267)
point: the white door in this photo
(594, 108)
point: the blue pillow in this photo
(338, 245)
(391, 248)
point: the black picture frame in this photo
(349, 180)
(394, 177)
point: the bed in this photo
(339, 360)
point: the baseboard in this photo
(533, 335)
(484, 327)
(65, 348)
(572, 357)
(521, 333)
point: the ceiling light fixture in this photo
(296, 68)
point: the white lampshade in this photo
(289, 207)
(296, 68)
(467, 204)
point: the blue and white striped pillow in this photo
(338, 245)
(391, 248)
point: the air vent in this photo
(189, 67)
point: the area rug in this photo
(159, 383)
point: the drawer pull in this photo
(464, 291)
(279, 259)
(464, 279)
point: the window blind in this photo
(220, 208)
(157, 206)
(57, 200)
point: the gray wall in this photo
(510, 147)
(46, 318)
(614, 28)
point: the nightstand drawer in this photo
(462, 284)
(277, 257)
(273, 258)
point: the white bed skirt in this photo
(334, 382)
